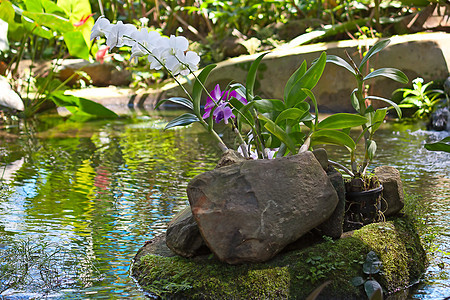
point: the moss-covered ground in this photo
(294, 274)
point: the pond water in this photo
(78, 200)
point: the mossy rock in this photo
(290, 275)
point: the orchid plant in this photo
(264, 128)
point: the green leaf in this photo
(342, 120)
(251, 77)
(371, 149)
(294, 78)
(183, 120)
(392, 103)
(278, 132)
(372, 51)
(269, 105)
(390, 73)
(442, 145)
(340, 62)
(198, 88)
(291, 114)
(354, 100)
(334, 137)
(178, 100)
(81, 106)
(76, 44)
(76, 10)
(314, 101)
(51, 21)
(371, 287)
(308, 81)
(377, 118)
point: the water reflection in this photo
(102, 189)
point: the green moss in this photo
(294, 274)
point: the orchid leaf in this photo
(377, 118)
(183, 120)
(308, 81)
(342, 120)
(76, 44)
(442, 145)
(251, 77)
(372, 51)
(278, 132)
(290, 114)
(340, 62)
(314, 101)
(269, 105)
(294, 78)
(177, 100)
(199, 88)
(390, 73)
(334, 137)
(392, 103)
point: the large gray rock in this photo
(392, 190)
(183, 236)
(333, 227)
(249, 211)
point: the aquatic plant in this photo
(41, 267)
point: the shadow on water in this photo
(100, 190)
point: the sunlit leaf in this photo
(392, 103)
(340, 62)
(183, 120)
(177, 100)
(290, 114)
(278, 132)
(308, 81)
(334, 137)
(294, 78)
(76, 44)
(390, 73)
(251, 77)
(372, 51)
(341, 120)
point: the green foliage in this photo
(421, 98)
(362, 103)
(36, 26)
(442, 145)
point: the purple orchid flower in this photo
(221, 98)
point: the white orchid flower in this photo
(183, 63)
(158, 58)
(145, 42)
(119, 35)
(100, 28)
